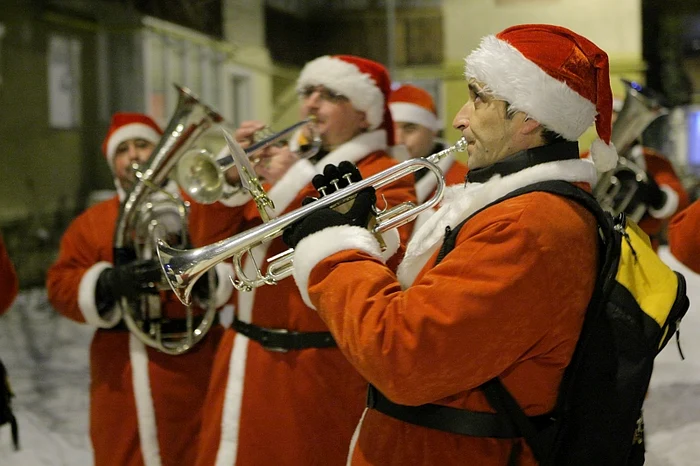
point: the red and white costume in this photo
(433, 335)
(683, 239)
(668, 181)
(508, 301)
(145, 406)
(298, 407)
(9, 284)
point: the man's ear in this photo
(530, 125)
(364, 124)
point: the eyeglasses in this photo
(323, 92)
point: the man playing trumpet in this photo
(509, 299)
(282, 393)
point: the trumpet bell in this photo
(198, 174)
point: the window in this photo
(694, 140)
(64, 82)
(241, 98)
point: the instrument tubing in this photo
(167, 325)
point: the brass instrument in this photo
(201, 174)
(183, 268)
(149, 212)
(618, 190)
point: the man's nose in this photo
(314, 99)
(398, 135)
(134, 153)
(461, 119)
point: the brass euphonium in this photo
(149, 213)
(619, 189)
(184, 267)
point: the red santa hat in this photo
(364, 82)
(554, 75)
(126, 126)
(411, 104)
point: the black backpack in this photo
(637, 305)
(6, 415)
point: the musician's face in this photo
(491, 134)
(337, 121)
(418, 139)
(128, 152)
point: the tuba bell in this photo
(149, 213)
(620, 189)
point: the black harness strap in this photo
(448, 419)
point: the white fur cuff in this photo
(671, 205)
(317, 246)
(86, 299)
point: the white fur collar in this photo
(461, 201)
(301, 173)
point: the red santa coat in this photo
(683, 236)
(9, 284)
(508, 301)
(145, 406)
(665, 176)
(300, 407)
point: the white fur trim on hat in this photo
(347, 79)
(130, 131)
(510, 76)
(412, 113)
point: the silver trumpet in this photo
(201, 174)
(183, 268)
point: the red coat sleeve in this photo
(9, 284)
(684, 236)
(85, 250)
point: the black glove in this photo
(128, 280)
(357, 211)
(200, 290)
(652, 195)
